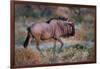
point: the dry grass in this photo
(26, 57)
(76, 53)
(68, 55)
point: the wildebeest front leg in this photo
(60, 49)
(54, 47)
(54, 51)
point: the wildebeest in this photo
(53, 28)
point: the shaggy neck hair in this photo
(59, 18)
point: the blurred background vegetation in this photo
(84, 18)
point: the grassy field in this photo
(74, 53)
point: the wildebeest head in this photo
(70, 28)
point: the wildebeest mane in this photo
(59, 18)
(51, 20)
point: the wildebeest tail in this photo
(27, 38)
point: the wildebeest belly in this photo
(46, 33)
(45, 36)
